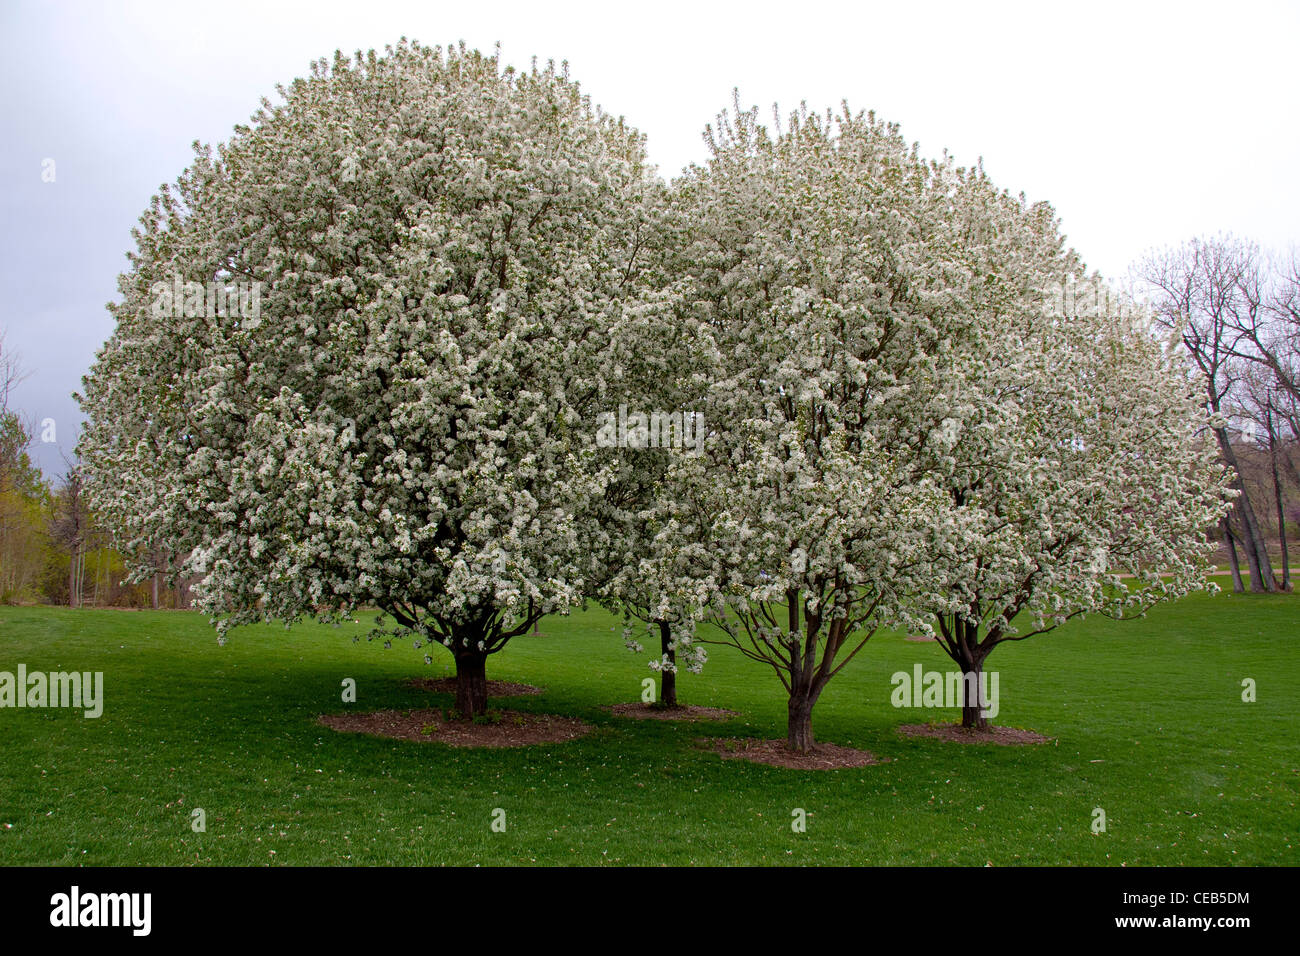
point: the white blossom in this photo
(448, 251)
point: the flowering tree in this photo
(1081, 476)
(439, 254)
(631, 585)
(670, 377)
(1082, 481)
(816, 259)
(638, 584)
(1085, 490)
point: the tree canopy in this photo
(443, 249)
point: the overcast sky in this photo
(1144, 124)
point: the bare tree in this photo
(1268, 412)
(1274, 452)
(1266, 320)
(1199, 291)
(70, 530)
(11, 372)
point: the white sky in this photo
(1144, 124)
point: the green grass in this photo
(1148, 717)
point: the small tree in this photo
(664, 387)
(437, 252)
(630, 585)
(71, 531)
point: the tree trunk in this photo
(1234, 562)
(799, 729)
(471, 683)
(667, 678)
(1261, 567)
(972, 712)
(1278, 502)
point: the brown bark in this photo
(471, 683)
(803, 690)
(962, 644)
(799, 729)
(667, 678)
(972, 714)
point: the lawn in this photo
(1147, 716)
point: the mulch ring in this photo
(775, 753)
(684, 712)
(501, 728)
(495, 688)
(921, 638)
(1005, 736)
